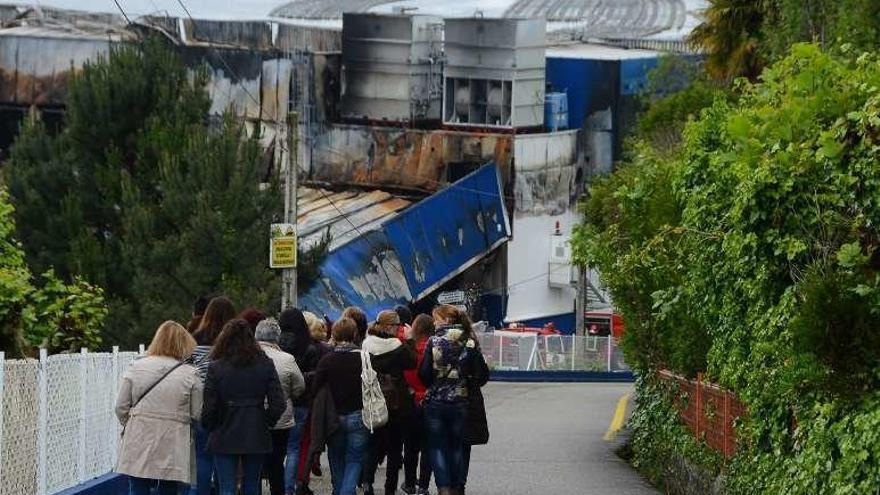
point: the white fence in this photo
(58, 425)
(532, 352)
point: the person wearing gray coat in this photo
(159, 398)
(292, 385)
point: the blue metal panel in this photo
(591, 85)
(634, 74)
(416, 251)
(365, 272)
(441, 236)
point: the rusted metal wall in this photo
(405, 158)
(35, 66)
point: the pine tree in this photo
(144, 195)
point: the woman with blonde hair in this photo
(159, 398)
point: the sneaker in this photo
(423, 491)
(408, 490)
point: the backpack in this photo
(375, 411)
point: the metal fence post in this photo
(42, 419)
(2, 368)
(114, 424)
(573, 348)
(610, 342)
(83, 362)
(141, 348)
(501, 351)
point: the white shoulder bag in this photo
(375, 412)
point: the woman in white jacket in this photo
(159, 398)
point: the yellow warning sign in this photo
(282, 246)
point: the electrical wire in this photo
(118, 6)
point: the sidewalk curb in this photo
(561, 376)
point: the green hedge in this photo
(750, 253)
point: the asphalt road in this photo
(547, 439)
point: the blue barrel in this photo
(556, 111)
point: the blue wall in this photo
(591, 85)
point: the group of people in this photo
(232, 398)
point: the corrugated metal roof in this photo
(345, 215)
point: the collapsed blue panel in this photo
(365, 272)
(441, 236)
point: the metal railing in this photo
(532, 352)
(57, 423)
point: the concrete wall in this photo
(546, 190)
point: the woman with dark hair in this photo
(253, 316)
(243, 401)
(450, 363)
(220, 310)
(476, 425)
(199, 306)
(297, 340)
(415, 440)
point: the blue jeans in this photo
(227, 468)
(293, 442)
(204, 463)
(345, 451)
(143, 486)
(444, 422)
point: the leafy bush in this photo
(53, 315)
(751, 253)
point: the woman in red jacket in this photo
(416, 438)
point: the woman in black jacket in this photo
(243, 400)
(297, 341)
(476, 424)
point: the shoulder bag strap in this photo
(151, 387)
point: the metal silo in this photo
(392, 67)
(494, 73)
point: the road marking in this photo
(617, 420)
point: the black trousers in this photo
(415, 451)
(387, 443)
(273, 466)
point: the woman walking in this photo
(390, 358)
(338, 381)
(292, 385)
(415, 443)
(476, 425)
(219, 312)
(297, 341)
(159, 398)
(243, 401)
(448, 365)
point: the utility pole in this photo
(291, 182)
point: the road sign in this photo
(282, 246)
(454, 297)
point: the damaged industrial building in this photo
(442, 154)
